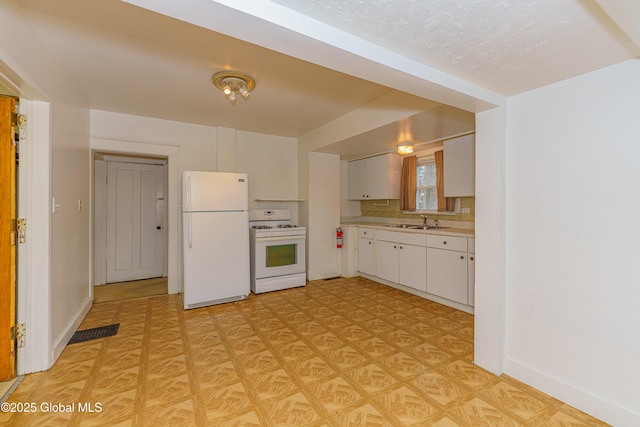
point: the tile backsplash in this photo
(374, 208)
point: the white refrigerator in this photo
(215, 230)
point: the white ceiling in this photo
(507, 46)
(130, 60)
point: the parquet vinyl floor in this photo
(344, 352)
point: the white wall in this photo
(573, 227)
(272, 164)
(62, 292)
(269, 160)
(348, 208)
(490, 239)
(324, 215)
(197, 143)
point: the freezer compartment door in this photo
(214, 191)
(216, 257)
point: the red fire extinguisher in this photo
(338, 237)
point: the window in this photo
(426, 189)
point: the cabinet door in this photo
(471, 279)
(366, 260)
(387, 260)
(412, 266)
(459, 166)
(447, 274)
(383, 177)
(357, 180)
(378, 177)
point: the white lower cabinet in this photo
(387, 260)
(366, 251)
(401, 258)
(471, 273)
(411, 267)
(447, 274)
(435, 264)
(447, 269)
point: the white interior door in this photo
(135, 221)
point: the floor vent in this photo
(94, 333)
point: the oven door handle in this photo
(278, 238)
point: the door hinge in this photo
(18, 332)
(22, 127)
(21, 225)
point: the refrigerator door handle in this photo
(188, 194)
(189, 231)
(189, 210)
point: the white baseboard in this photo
(596, 406)
(61, 343)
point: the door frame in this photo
(34, 283)
(171, 153)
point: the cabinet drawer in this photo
(447, 242)
(367, 233)
(417, 239)
(472, 246)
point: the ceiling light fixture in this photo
(405, 148)
(233, 83)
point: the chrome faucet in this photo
(424, 221)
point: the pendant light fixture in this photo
(234, 83)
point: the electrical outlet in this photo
(466, 210)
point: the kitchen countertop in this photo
(449, 231)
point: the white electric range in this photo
(278, 259)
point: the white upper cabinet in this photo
(459, 166)
(375, 177)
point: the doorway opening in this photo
(130, 233)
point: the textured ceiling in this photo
(507, 46)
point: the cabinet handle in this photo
(444, 242)
(369, 242)
(471, 258)
(394, 246)
(400, 247)
(461, 257)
